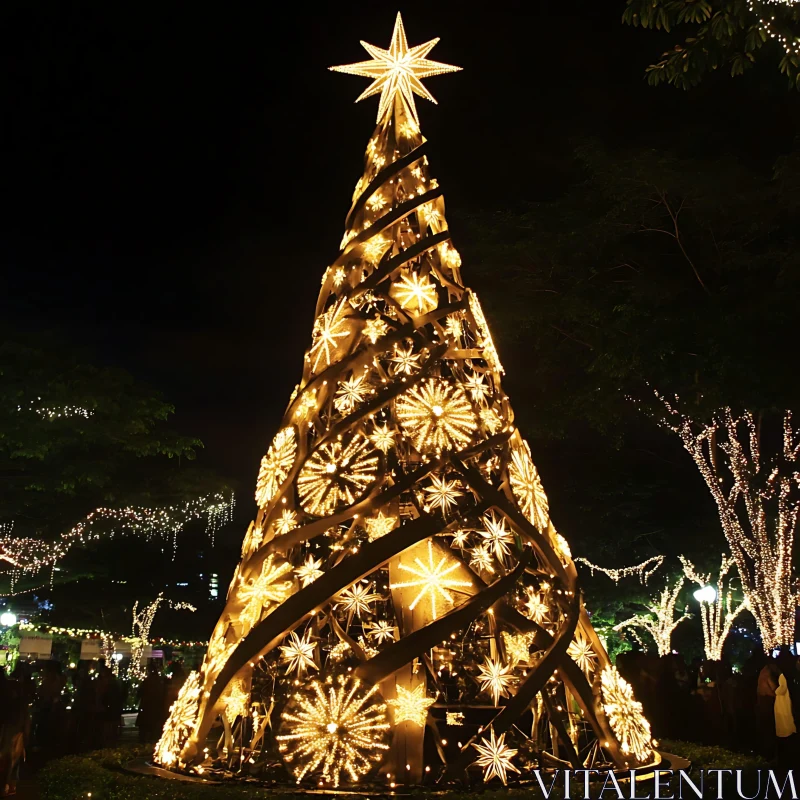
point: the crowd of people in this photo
(755, 709)
(52, 711)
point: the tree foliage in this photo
(720, 34)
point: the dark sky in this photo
(177, 174)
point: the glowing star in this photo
(329, 328)
(460, 538)
(411, 706)
(236, 700)
(625, 715)
(397, 73)
(449, 255)
(527, 487)
(489, 351)
(382, 631)
(309, 571)
(454, 327)
(406, 361)
(308, 402)
(443, 493)
(376, 202)
(299, 653)
(352, 393)
(336, 474)
(495, 677)
(333, 729)
(535, 607)
(432, 580)
(374, 249)
(580, 651)
(275, 465)
(263, 591)
(517, 647)
(286, 521)
(383, 438)
(561, 547)
(415, 293)
(379, 526)
(180, 723)
(436, 415)
(476, 386)
(496, 535)
(495, 756)
(481, 559)
(375, 328)
(490, 419)
(358, 598)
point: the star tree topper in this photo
(397, 72)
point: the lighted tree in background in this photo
(403, 550)
(758, 499)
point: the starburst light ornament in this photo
(432, 579)
(496, 535)
(309, 571)
(527, 486)
(383, 438)
(330, 331)
(517, 647)
(379, 526)
(397, 72)
(336, 474)
(382, 631)
(286, 522)
(495, 677)
(495, 756)
(352, 393)
(333, 729)
(411, 705)
(625, 714)
(436, 415)
(299, 653)
(405, 360)
(481, 559)
(358, 598)
(535, 607)
(415, 293)
(181, 721)
(442, 493)
(275, 465)
(264, 591)
(580, 651)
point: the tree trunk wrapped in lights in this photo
(718, 611)
(404, 605)
(758, 500)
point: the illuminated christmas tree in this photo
(404, 607)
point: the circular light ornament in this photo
(337, 474)
(275, 465)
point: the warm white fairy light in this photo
(140, 632)
(309, 571)
(382, 631)
(436, 415)
(454, 718)
(397, 73)
(415, 293)
(718, 614)
(495, 677)
(336, 474)
(660, 622)
(486, 341)
(496, 535)
(411, 706)
(358, 598)
(433, 579)
(352, 392)
(330, 329)
(275, 465)
(495, 756)
(766, 20)
(333, 730)
(180, 723)
(442, 493)
(379, 525)
(298, 652)
(527, 486)
(758, 500)
(625, 715)
(643, 571)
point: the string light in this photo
(789, 42)
(333, 728)
(718, 613)
(643, 571)
(411, 706)
(758, 500)
(496, 757)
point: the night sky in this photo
(177, 174)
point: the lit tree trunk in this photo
(757, 501)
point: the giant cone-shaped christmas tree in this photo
(404, 608)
